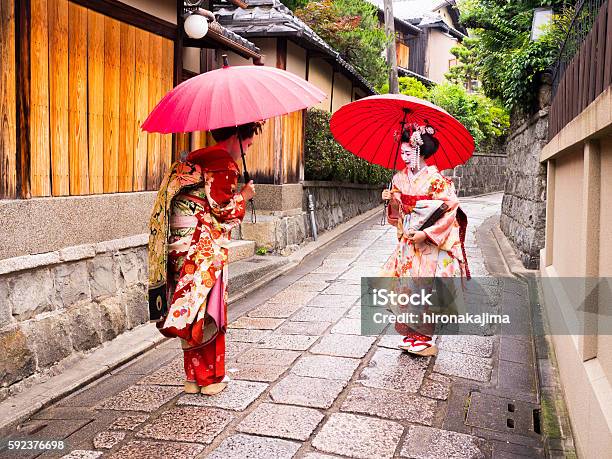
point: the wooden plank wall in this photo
(587, 75)
(93, 82)
(8, 153)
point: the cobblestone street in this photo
(306, 384)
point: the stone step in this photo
(249, 270)
(239, 250)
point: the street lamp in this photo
(196, 23)
(541, 17)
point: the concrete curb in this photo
(134, 343)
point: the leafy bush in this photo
(351, 27)
(409, 86)
(325, 159)
(294, 4)
(486, 119)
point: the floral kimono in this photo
(196, 209)
(442, 254)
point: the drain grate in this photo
(492, 412)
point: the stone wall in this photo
(336, 202)
(483, 173)
(61, 303)
(283, 222)
(523, 217)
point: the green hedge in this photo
(325, 159)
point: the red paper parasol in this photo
(370, 128)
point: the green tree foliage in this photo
(506, 60)
(294, 4)
(486, 119)
(325, 159)
(409, 86)
(466, 70)
(351, 27)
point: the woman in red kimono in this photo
(197, 207)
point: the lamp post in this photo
(541, 17)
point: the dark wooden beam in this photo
(133, 16)
(307, 64)
(23, 29)
(331, 96)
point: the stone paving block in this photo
(268, 357)
(333, 301)
(309, 314)
(188, 424)
(106, 440)
(256, 323)
(389, 341)
(257, 372)
(275, 310)
(313, 392)
(435, 389)
(233, 350)
(318, 277)
(358, 436)
(129, 422)
(288, 342)
(303, 328)
(333, 267)
(236, 397)
(82, 454)
(347, 326)
(245, 335)
(463, 365)
(391, 405)
(242, 446)
(284, 421)
(288, 296)
(428, 442)
(309, 286)
(172, 374)
(149, 449)
(360, 271)
(394, 370)
(514, 350)
(481, 346)
(344, 345)
(318, 456)
(345, 288)
(326, 367)
(140, 398)
(354, 312)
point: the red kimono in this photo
(202, 215)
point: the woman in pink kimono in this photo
(438, 250)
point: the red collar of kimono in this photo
(213, 158)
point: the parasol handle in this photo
(383, 219)
(247, 179)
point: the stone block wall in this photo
(483, 173)
(61, 303)
(336, 203)
(523, 217)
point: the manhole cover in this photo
(503, 415)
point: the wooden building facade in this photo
(78, 79)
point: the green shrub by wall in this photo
(325, 159)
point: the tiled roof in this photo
(266, 18)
